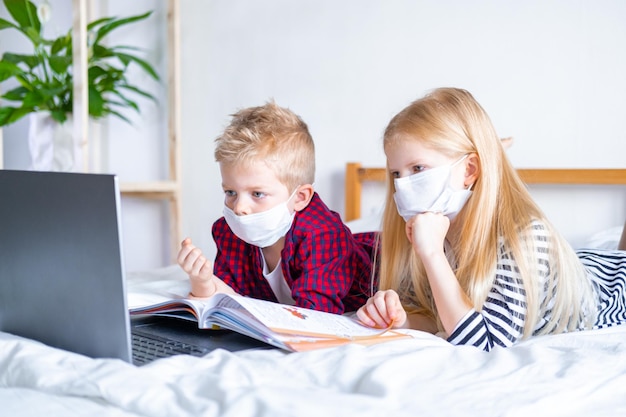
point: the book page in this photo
(286, 319)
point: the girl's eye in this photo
(230, 193)
(258, 194)
(395, 174)
(418, 168)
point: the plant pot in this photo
(52, 145)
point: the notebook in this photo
(62, 279)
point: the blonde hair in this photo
(274, 135)
(450, 121)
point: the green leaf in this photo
(114, 24)
(138, 91)
(125, 101)
(61, 43)
(33, 35)
(95, 72)
(117, 48)
(118, 114)
(9, 69)
(58, 90)
(59, 116)
(10, 115)
(5, 24)
(30, 60)
(100, 52)
(60, 63)
(143, 64)
(5, 114)
(96, 103)
(16, 94)
(24, 12)
(35, 99)
(99, 22)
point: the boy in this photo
(277, 240)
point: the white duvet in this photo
(577, 374)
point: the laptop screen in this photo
(61, 264)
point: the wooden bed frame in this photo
(356, 175)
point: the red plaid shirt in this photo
(326, 267)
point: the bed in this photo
(575, 374)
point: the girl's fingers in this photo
(380, 303)
(392, 301)
(375, 312)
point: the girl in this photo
(464, 249)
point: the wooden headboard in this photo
(356, 175)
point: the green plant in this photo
(45, 78)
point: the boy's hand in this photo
(383, 310)
(199, 269)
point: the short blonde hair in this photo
(274, 135)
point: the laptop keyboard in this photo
(147, 348)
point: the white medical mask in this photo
(430, 191)
(261, 229)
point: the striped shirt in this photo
(502, 318)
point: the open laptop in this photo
(62, 278)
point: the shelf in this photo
(151, 189)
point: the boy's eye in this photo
(395, 174)
(258, 194)
(418, 168)
(230, 193)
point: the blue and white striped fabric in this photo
(501, 320)
(607, 271)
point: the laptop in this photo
(62, 279)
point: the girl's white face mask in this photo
(430, 191)
(261, 229)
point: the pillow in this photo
(605, 239)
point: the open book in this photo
(284, 326)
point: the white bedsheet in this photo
(577, 374)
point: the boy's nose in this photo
(240, 207)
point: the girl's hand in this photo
(426, 232)
(383, 310)
(199, 269)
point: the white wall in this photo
(550, 73)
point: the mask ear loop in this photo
(469, 187)
(292, 194)
(295, 192)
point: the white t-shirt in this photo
(277, 281)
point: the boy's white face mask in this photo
(261, 229)
(430, 191)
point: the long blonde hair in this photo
(450, 121)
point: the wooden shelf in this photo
(150, 189)
(573, 176)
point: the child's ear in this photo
(303, 197)
(472, 169)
